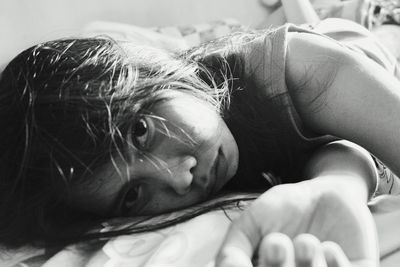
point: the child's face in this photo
(184, 153)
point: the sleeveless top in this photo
(274, 144)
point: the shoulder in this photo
(313, 46)
(312, 60)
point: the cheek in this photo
(200, 122)
(188, 115)
(207, 123)
(159, 204)
(161, 200)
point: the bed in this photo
(195, 242)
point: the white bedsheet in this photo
(193, 243)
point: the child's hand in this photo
(277, 249)
(305, 250)
(293, 210)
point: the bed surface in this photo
(193, 243)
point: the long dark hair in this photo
(65, 107)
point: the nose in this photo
(179, 175)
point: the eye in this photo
(141, 133)
(131, 199)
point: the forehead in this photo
(180, 104)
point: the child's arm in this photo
(332, 207)
(340, 92)
(334, 163)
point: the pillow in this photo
(172, 38)
(197, 34)
(135, 34)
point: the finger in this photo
(334, 255)
(276, 250)
(233, 257)
(308, 251)
(240, 242)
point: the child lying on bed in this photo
(95, 129)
